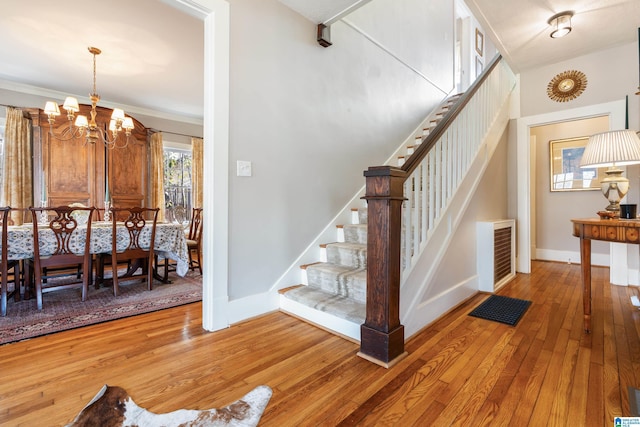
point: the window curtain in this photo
(16, 190)
(157, 174)
(196, 172)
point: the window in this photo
(177, 184)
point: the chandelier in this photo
(92, 133)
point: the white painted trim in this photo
(619, 272)
(325, 320)
(252, 306)
(435, 307)
(215, 279)
(348, 10)
(616, 112)
(570, 257)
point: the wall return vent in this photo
(496, 254)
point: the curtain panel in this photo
(157, 174)
(17, 182)
(197, 152)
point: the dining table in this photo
(170, 241)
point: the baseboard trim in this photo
(320, 319)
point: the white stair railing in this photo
(435, 179)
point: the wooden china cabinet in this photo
(78, 172)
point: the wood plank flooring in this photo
(460, 370)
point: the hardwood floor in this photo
(460, 371)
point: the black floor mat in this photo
(501, 309)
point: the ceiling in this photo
(520, 31)
(519, 28)
(152, 53)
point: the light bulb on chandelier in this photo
(82, 126)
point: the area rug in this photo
(501, 309)
(64, 309)
(113, 407)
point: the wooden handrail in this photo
(429, 141)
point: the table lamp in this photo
(612, 149)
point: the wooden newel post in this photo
(382, 335)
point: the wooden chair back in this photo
(195, 227)
(194, 240)
(137, 221)
(63, 221)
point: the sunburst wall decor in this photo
(567, 85)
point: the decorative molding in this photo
(83, 99)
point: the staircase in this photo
(334, 290)
(415, 206)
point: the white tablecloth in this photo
(170, 241)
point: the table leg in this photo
(585, 259)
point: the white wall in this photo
(312, 119)
(554, 240)
(612, 76)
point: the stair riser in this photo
(355, 233)
(362, 215)
(351, 284)
(356, 258)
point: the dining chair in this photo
(140, 231)
(67, 244)
(6, 265)
(194, 240)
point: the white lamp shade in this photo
(128, 123)
(51, 108)
(614, 148)
(71, 104)
(81, 121)
(112, 125)
(117, 114)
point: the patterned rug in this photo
(64, 309)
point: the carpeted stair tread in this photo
(336, 305)
(348, 254)
(339, 279)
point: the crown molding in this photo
(130, 109)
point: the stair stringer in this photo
(416, 313)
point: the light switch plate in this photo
(244, 168)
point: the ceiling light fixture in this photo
(88, 128)
(561, 23)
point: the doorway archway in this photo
(215, 14)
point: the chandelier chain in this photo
(92, 133)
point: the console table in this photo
(609, 230)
